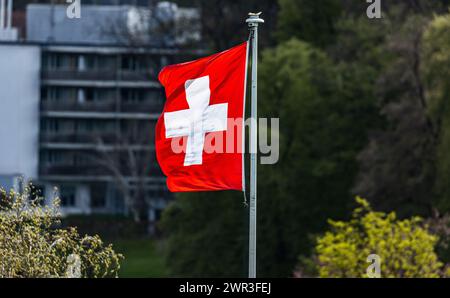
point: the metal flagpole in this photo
(253, 22)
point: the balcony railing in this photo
(78, 75)
(128, 75)
(99, 75)
(89, 170)
(73, 105)
(78, 138)
(102, 106)
(154, 107)
(66, 169)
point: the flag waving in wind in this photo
(199, 135)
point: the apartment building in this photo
(95, 110)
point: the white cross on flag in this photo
(199, 136)
(200, 116)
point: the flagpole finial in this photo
(254, 19)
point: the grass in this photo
(142, 258)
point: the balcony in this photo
(78, 138)
(98, 75)
(74, 105)
(72, 170)
(128, 75)
(78, 75)
(88, 170)
(150, 107)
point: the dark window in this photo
(158, 213)
(50, 125)
(98, 195)
(67, 196)
(129, 63)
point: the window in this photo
(132, 95)
(156, 193)
(91, 62)
(83, 126)
(81, 159)
(50, 94)
(91, 94)
(96, 95)
(106, 62)
(151, 64)
(57, 61)
(51, 61)
(67, 195)
(58, 94)
(158, 213)
(52, 157)
(130, 63)
(50, 125)
(98, 63)
(98, 195)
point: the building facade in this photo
(98, 105)
(19, 112)
(92, 106)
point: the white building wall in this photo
(19, 110)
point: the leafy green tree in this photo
(436, 71)
(323, 124)
(405, 247)
(311, 21)
(206, 235)
(397, 164)
(31, 246)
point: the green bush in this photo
(405, 247)
(31, 245)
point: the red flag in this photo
(199, 135)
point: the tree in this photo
(396, 166)
(311, 21)
(206, 235)
(436, 71)
(405, 247)
(323, 124)
(31, 246)
(131, 162)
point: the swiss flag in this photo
(199, 135)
